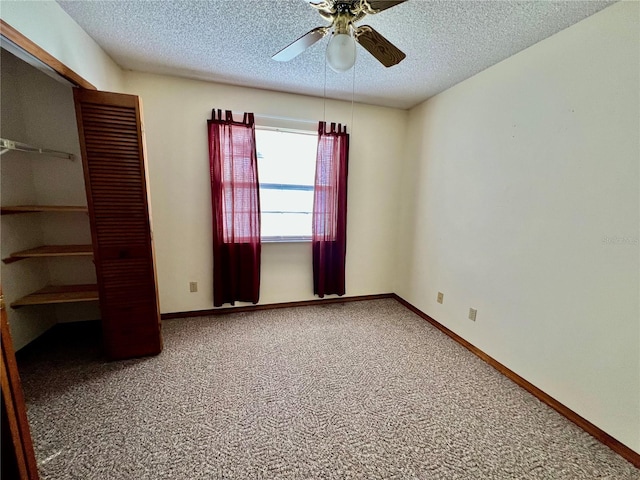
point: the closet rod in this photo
(7, 145)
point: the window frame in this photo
(287, 238)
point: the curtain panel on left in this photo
(235, 203)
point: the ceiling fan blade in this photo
(378, 46)
(377, 6)
(294, 49)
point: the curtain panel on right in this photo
(329, 230)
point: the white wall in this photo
(46, 24)
(521, 199)
(175, 113)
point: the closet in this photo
(47, 266)
(76, 227)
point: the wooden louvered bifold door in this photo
(112, 142)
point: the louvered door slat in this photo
(118, 176)
(111, 122)
(110, 109)
(116, 179)
(112, 149)
(119, 195)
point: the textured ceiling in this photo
(232, 41)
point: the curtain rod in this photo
(276, 117)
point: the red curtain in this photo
(236, 208)
(330, 211)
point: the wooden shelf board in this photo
(51, 251)
(42, 208)
(59, 294)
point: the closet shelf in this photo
(51, 251)
(42, 208)
(7, 145)
(59, 294)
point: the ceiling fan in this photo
(341, 51)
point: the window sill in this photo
(285, 239)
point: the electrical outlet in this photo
(440, 297)
(193, 287)
(472, 314)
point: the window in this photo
(286, 170)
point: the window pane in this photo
(286, 157)
(286, 200)
(286, 224)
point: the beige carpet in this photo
(363, 390)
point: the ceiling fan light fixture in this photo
(341, 52)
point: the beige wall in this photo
(175, 112)
(46, 24)
(522, 200)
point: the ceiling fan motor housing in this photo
(342, 23)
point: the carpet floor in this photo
(361, 390)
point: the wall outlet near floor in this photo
(440, 297)
(472, 314)
(193, 287)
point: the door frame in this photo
(35, 51)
